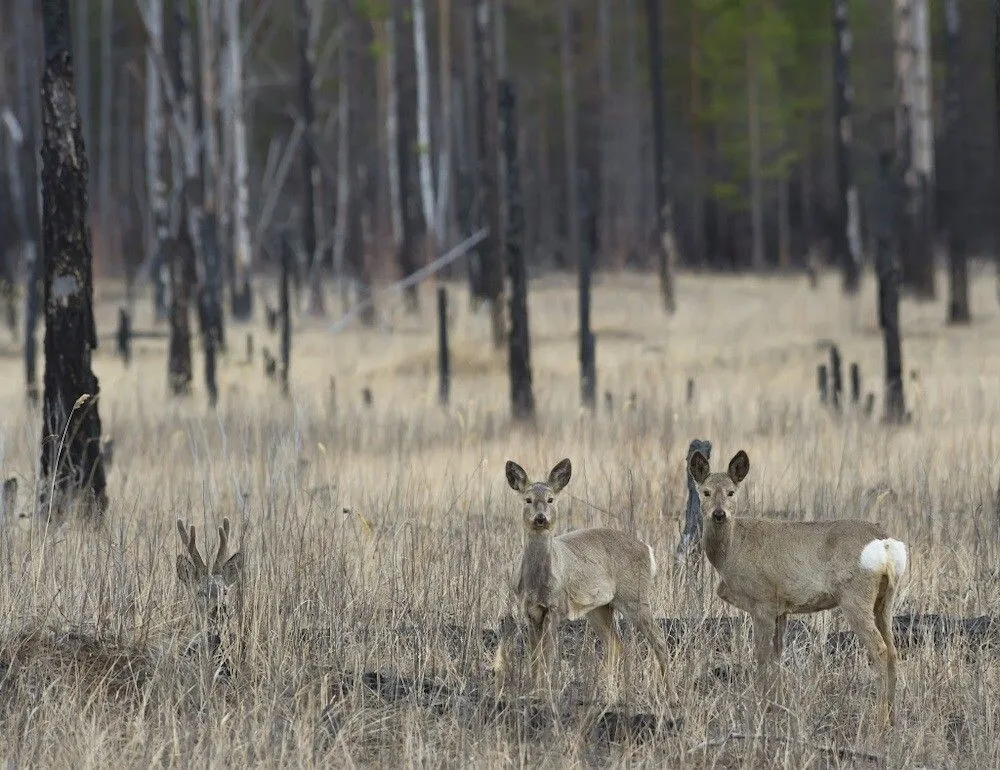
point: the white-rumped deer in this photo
(586, 573)
(771, 568)
(211, 589)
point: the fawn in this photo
(585, 573)
(211, 591)
(771, 568)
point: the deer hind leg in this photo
(602, 621)
(883, 622)
(508, 628)
(860, 614)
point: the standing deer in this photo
(211, 592)
(772, 568)
(585, 573)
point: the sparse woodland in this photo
(304, 275)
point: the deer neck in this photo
(719, 541)
(536, 566)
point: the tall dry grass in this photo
(378, 540)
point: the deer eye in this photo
(527, 500)
(730, 493)
(707, 493)
(550, 499)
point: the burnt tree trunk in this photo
(489, 163)
(310, 167)
(847, 234)
(406, 144)
(954, 171)
(522, 398)
(180, 250)
(663, 219)
(888, 290)
(287, 258)
(444, 362)
(71, 464)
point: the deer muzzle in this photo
(719, 514)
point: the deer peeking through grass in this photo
(585, 573)
(771, 568)
(211, 588)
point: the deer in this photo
(770, 569)
(583, 573)
(211, 589)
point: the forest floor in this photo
(378, 539)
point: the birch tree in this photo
(155, 146)
(310, 167)
(424, 151)
(242, 297)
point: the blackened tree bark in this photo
(71, 462)
(181, 254)
(888, 288)
(847, 234)
(522, 398)
(659, 152)
(489, 163)
(954, 171)
(287, 259)
(406, 146)
(310, 167)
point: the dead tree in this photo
(71, 464)
(888, 289)
(659, 151)
(241, 293)
(181, 257)
(847, 235)
(484, 41)
(310, 167)
(954, 171)
(287, 260)
(522, 398)
(156, 143)
(411, 222)
(444, 362)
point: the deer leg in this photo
(538, 641)
(602, 621)
(779, 635)
(883, 622)
(764, 630)
(860, 614)
(507, 629)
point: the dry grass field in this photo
(378, 541)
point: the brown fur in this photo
(585, 573)
(772, 568)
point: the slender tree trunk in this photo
(758, 259)
(156, 187)
(424, 149)
(847, 235)
(888, 292)
(697, 151)
(663, 213)
(392, 129)
(522, 398)
(444, 190)
(340, 224)
(71, 463)
(107, 86)
(605, 216)
(242, 297)
(489, 165)
(310, 167)
(406, 152)
(955, 172)
(81, 12)
(996, 128)
(587, 367)
(182, 268)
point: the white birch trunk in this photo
(444, 154)
(343, 169)
(237, 126)
(107, 86)
(423, 116)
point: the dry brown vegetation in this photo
(377, 541)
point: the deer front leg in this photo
(538, 641)
(508, 627)
(764, 630)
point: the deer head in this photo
(539, 496)
(717, 491)
(211, 586)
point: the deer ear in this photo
(739, 467)
(232, 570)
(698, 467)
(560, 475)
(187, 573)
(516, 476)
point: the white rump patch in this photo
(882, 555)
(652, 561)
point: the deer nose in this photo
(719, 515)
(539, 520)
